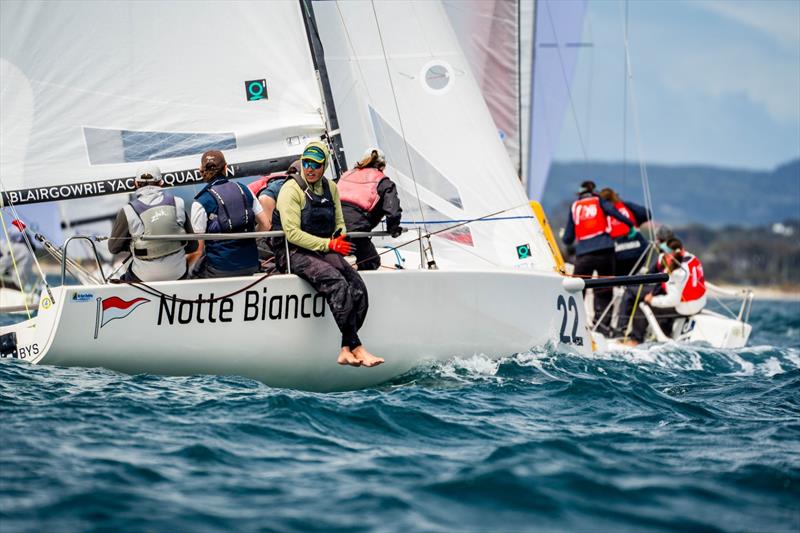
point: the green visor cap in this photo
(314, 153)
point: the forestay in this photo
(401, 81)
(91, 90)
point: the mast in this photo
(334, 136)
(531, 108)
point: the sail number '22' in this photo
(569, 307)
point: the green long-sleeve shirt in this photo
(291, 202)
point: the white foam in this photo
(748, 368)
(772, 367)
(792, 355)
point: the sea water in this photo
(670, 437)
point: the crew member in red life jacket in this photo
(266, 190)
(627, 250)
(367, 196)
(594, 250)
(684, 293)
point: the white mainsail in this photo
(91, 90)
(400, 80)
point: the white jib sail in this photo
(401, 81)
(91, 90)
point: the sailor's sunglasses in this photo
(313, 165)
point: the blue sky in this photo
(716, 82)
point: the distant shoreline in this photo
(768, 293)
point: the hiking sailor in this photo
(588, 224)
(224, 206)
(152, 212)
(684, 292)
(367, 196)
(310, 213)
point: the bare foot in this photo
(346, 357)
(366, 358)
(630, 342)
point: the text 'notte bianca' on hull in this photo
(257, 306)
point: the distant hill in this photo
(684, 195)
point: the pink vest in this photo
(360, 187)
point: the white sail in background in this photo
(401, 81)
(559, 26)
(91, 90)
(489, 34)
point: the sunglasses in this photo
(313, 165)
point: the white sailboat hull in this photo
(281, 333)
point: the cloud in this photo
(779, 20)
(740, 69)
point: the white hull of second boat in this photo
(706, 327)
(281, 333)
(15, 301)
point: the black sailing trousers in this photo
(604, 262)
(337, 281)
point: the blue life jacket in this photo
(318, 217)
(229, 207)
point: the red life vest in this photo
(618, 229)
(360, 187)
(695, 286)
(261, 183)
(660, 268)
(589, 218)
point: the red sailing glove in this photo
(340, 245)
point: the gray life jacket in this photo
(157, 219)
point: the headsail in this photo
(489, 32)
(91, 90)
(401, 81)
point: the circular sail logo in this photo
(256, 90)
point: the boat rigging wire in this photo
(16, 269)
(648, 198)
(27, 242)
(566, 82)
(397, 110)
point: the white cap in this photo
(148, 174)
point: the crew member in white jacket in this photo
(684, 294)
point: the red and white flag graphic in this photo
(116, 307)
